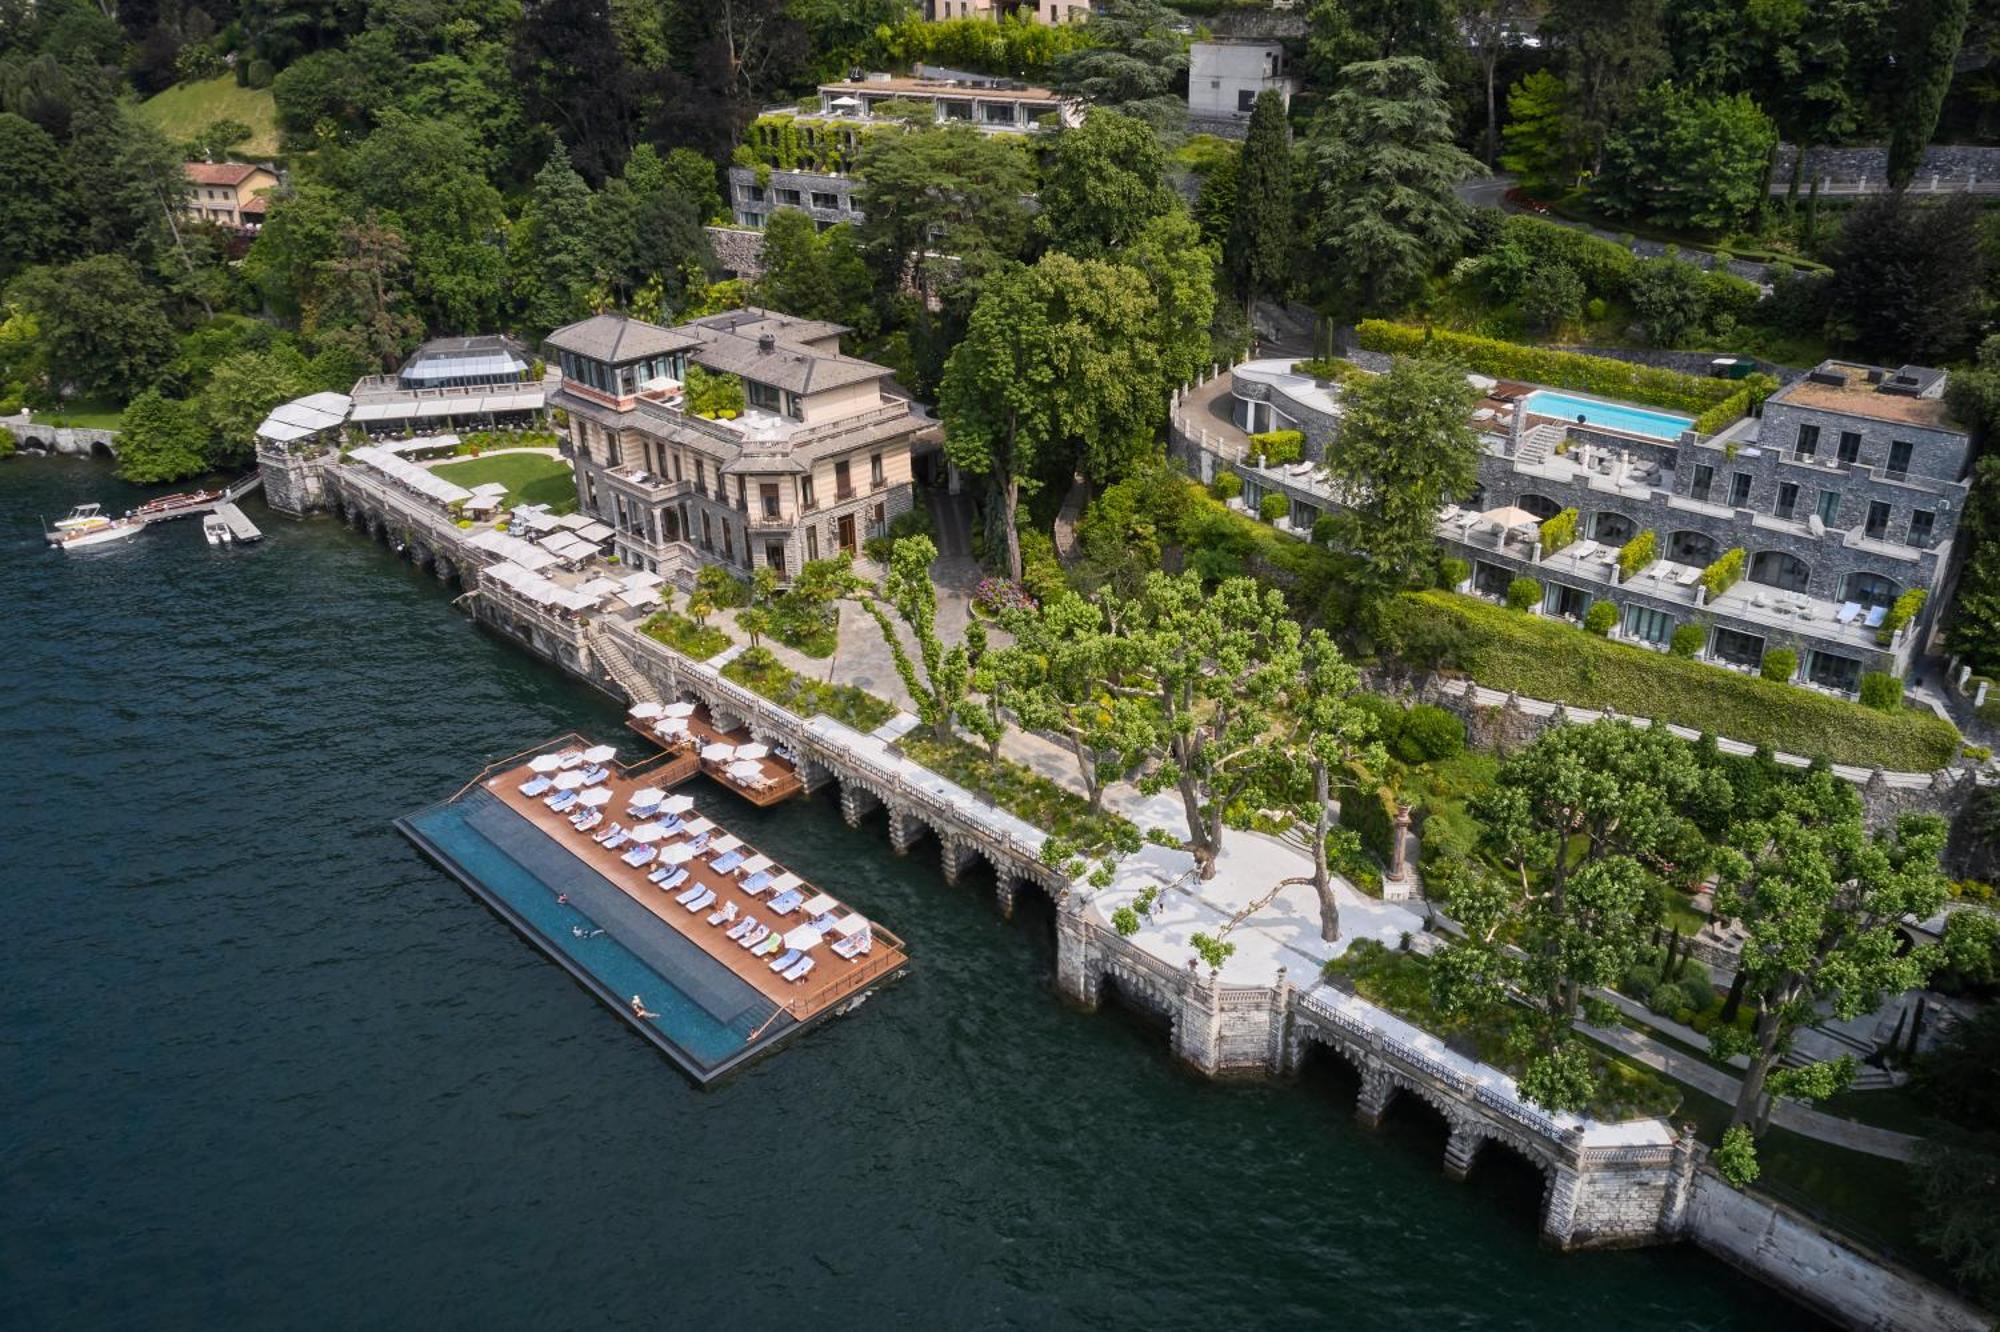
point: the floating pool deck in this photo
(711, 1004)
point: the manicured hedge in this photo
(1720, 576)
(1558, 531)
(1558, 369)
(1738, 404)
(1370, 812)
(1278, 447)
(1543, 658)
(1636, 554)
(1900, 614)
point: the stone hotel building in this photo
(816, 464)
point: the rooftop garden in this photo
(784, 142)
(1027, 795)
(1542, 658)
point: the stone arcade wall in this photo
(293, 482)
(32, 436)
(1817, 1267)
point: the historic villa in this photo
(817, 462)
(1817, 517)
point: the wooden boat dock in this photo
(777, 779)
(241, 529)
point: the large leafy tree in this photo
(1178, 270)
(1586, 824)
(1929, 35)
(575, 78)
(1687, 161)
(554, 257)
(647, 225)
(1325, 741)
(1609, 51)
(997, 395)
(1958, 1164)
(939, 677)
(243, 388)
(1212, 666)
(1405, 447)
(34, 209)
(1387, 164)
(1344, 32)
(160, 439)
(1822, 903)
(1134, 56)
(1077, 656)
(101, 321)
(1537, 133)
(943, 208)
(1101, 182)
(1492, 28)
(1258, 251)
(366, 306)
(815, 274)
(1820, 68)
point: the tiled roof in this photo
(615, 339)
(221, 173)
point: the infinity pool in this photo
(1610, 415)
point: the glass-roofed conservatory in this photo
(474, 362)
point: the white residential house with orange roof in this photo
(229, 194)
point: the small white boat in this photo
(81, 518)
(216, 530)
(103, 533)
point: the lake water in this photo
(261, 1065)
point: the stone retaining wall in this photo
(1957, 163)
(1687, 363)
(739, 250)
(32, 436)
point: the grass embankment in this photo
(186, 109)
(1541, 658)
(1400, 982)
(762, 673)
(1025, 794)
(530, 478)
(699, 641)
(92, 413)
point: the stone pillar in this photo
(1076, 973)
(954, 854)
(1460, 1152)
(1979, 698)
(904, 829)
(855, 804)
(1399, 867)
(1283, 1051)
(1198, 1027)
(1559, 1208)
(1377, 1090)
(1680, 1183)
(725, 721)
(1003, 893)
(812, 776)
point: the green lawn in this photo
(699, 641)
(1543, 658)
(1027, 795)
(762, 673)
(530, 478)
(186, 109)
(95, 413)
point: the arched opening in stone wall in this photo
(1141, 1012)
(1612, 528)
(1326, 1073)
(1416, 1125)
(1513, 1184)
(1034, 910)
(1691, 547)
(1539, 505)
(1780, 569)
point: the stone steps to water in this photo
(619, 667)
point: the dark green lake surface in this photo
(261, 1065)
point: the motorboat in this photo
(81, 517)
(216, 530)
(101, 533)
(173, 506)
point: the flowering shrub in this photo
(994, 595)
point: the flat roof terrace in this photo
(710, 1002)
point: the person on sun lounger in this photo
(639, 1009)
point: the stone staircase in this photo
(638, 689)
(1828, 1042)
(1538, 444)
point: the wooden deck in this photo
(780, 780)
(833, 977)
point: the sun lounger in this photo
(571, 759)
(609, 833)
(539, 786)
(724, 915)
(785, 959)
(786, 903)
(727, 861)
(769, 946)
(562, 802)
(592, 776)
(799, 969)
(1849, 613)
(588, 821)
(702, 901)
(754, 936)
(742, 927)
(853, 947)
(689, 893)
(675, 880)
(1876, 614)
(617, 839)
(641, 811)
(757, 882)
(699, 844)
(641, 855)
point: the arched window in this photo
(1780, 569)
(1870, 589)
(1613, 529)
(1692, 548)
(1539, 505)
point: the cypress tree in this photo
(1258, 249)
(1932, 32)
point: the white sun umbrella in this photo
(718, 751)
(596, 795)
(647, 711)
(671, 726)
(677, 710)
(651, 795)
(752, 751)
(568, 781)
(647, 832)
(696, 827)
(545, 762)
(679, 804)
(600, 753)
(803, 937)
(746, 770)
(755, 865)
(677, 853)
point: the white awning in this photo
(696, 827)
(725, 843)
(786, 882)
(821, 905)
(406, 473)
(803, 937)
(754, 865)
(851, 924)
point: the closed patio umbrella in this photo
(647, 711)
(596, 795)
(600, 753)
(752, 751)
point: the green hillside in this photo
(185, 109)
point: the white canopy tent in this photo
(851, 924)
(754, 865)
(786, 882)
(725, 843)
(696, 827)
(821, 905)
